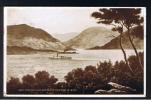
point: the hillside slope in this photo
(26, 36)
(93, 36)
(137, 36)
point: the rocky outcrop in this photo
(121, 87)
(116, 89)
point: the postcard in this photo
(74, 51)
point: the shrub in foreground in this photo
(41, 83)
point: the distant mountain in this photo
(137, 39)
(65, 37)
(29, 37)
(91, 37)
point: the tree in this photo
(105, 71)
(124, 77)
(45, 81)
(86, 81)
(13, 86)
(138, 32)
(130, 18)
(28, 81)
(42, 78)
(110, 17)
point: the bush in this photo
(85, 81)
(105, 70)
(13, 86)
(38, 84)
(123, 76)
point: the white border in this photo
(84, 96)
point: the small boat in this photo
(60, 57)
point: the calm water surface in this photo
(20, 65)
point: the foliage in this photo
(85, 81)
(13, 86)
(105, 70)
(122, 18)
(138, 32)
(126, 16)
(123, 76)
(38, 84)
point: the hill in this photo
(91, 37)
(137, 35)
(26, 36)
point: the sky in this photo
(54, 20)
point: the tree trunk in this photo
(124, 53)
(137, 55)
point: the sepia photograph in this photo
(75, 51)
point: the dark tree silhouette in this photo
(13, 86)
(130, 18)
(123, 76)
(44, 80)
(27, 80)
(86, 81)
(138, 32)
(110, 17)
(105, 70)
